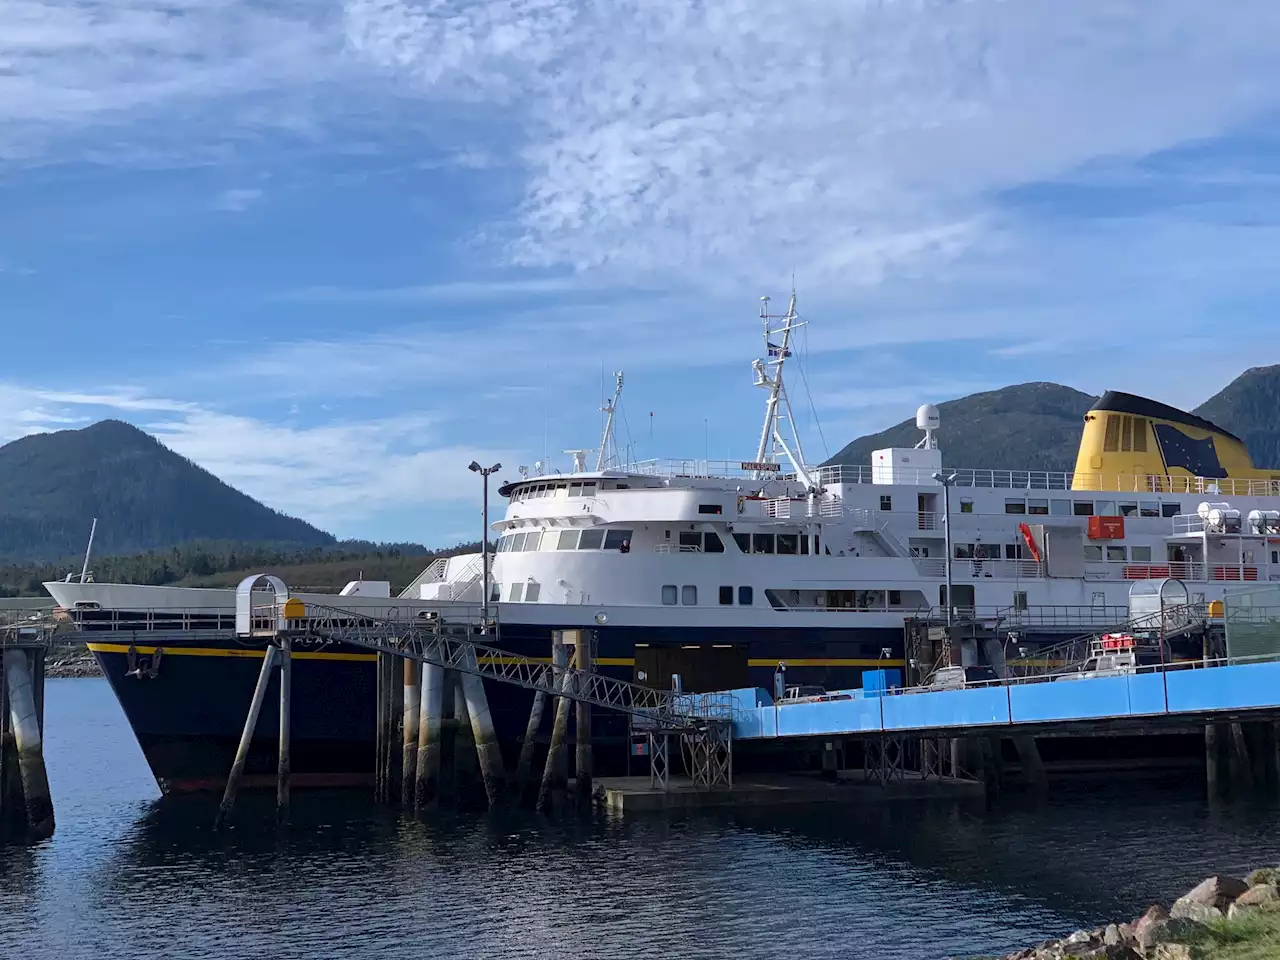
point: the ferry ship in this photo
(720, 572)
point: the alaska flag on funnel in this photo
(1198, 457)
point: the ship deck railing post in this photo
(246, 736)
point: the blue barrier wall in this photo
(1177, 692)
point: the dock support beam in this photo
(412, 724)
(246, 736)
(427, 787)
(582, 753)
(488, 752)
(555, 775)
(1032, 764)
(24, 724)
(382, 714)
(524, 766)
(284, 761)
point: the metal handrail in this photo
(418, 639)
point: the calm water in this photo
(130, 876)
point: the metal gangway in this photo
(703, 722)
(1068, 656)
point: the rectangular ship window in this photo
(1111, 440)
(1015, 506)
(1083, 508)
(614, 539)
(711, 542)
(789, 543)
(591, 540)
(1140, 554)
(1168, 510)
(1039, 508)
(726, 596)
(1128, 509)
(743, 540)
(568, 540)
(689, 596)
(531, 592)
(1116, 554)
(744, 596)
(762, 542)
(709, 508)
(669, 595)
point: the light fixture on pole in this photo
(484, 539)
(946, 482)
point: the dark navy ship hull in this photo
(188, 717)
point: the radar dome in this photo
(927, 417)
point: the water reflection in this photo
(129, 876)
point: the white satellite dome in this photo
(927, 417)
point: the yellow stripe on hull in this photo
(370, 657)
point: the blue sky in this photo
(333, 250)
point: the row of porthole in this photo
(687, 595)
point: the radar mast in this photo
(777, 413)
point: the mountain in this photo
(1035, 426)
(144, 495)
(1249, 406)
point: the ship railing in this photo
(434, 573)
(676, 548)
(980, 568)
(405, 634)
(1053, 480)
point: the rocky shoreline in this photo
(77, 661)
(1220, 918)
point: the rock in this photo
(1217, 892)
(1112, 936)
(1081, 938)
(1156, 926)
(1174, 951)
(1126, 931)
(1256, 896)
(1263, 875)
(1197, 912)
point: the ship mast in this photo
(608, 447)
(777, 411)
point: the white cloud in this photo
(743, 136)
(238, 200)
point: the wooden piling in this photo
(246, 736)
(488, 752)
(24, 723)
(427, 785)
(555, 774)
(582, 753)
(412, 710)
(524, 765)
(284, 760)
(1213, 759)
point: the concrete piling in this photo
(412, 723)
(582, 753)
(427, 774)
(465, 759)
(20, 677)
(555, 774)
(246, 736)
(284, 761)
(524, 765)
(488, 752)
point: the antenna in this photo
(579, 459)
(84, 571)
(608, 448)
(768, 374)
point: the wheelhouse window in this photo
(516, 592)
(804, 544)
(1106, 508)
(591, 540)
(669, 595)
(689, 595)
(711, 542)
(531, 591)
(1015, 506)
(1116, 554)
(1169, 509)
(762, 543)
(1082, 508)
(1092, 551)
(745, 598)
(726, 596)
(568, 540)
(743, 540)
(789, 543)
(614, 539)
(532, 541)
(690, 542)
(1128, 509)
(575, 488)
(1039, 508)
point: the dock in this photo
(851, 788)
